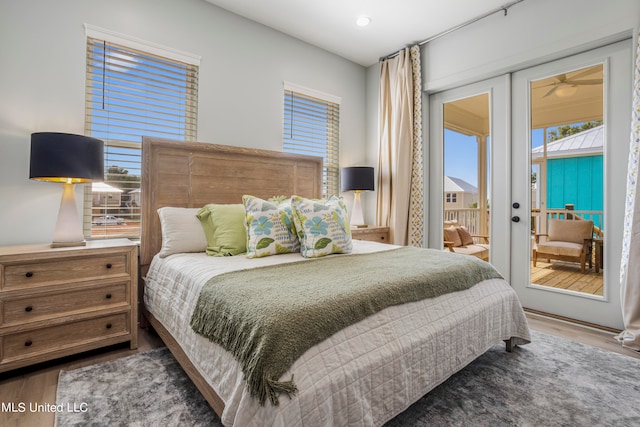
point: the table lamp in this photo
(68, 159)
(357, 179)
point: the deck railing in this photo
(467, 217)
(470, 218)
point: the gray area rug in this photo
(550, 382)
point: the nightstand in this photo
(56, 302)
(373, 233)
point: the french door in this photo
(469, 165)
(570, 133)
(551, 143)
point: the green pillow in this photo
(223, 226)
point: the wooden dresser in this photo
(374, 233)
(60, 301)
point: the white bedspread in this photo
(363, 375)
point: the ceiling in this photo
(572, 97)
(330, 24)
(584, 102)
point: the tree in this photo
(566, 130)
(474, 205)
(119, 177)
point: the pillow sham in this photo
(181, 231)
(322, 226)
(223, 227)
(269, 227)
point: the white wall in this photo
(533, 32)
(373, 136)
(244, 64)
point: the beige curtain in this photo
(630, 266)
(400, 186)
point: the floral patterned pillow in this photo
(322, 226)
(270, 228)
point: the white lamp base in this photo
(68, 231)
(357, 218)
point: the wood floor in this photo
(567, 275)
(38, 384)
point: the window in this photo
(131, 93)
(311, 127)
(451, 197)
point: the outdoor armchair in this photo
(567, 240)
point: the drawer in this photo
(65, 270)
(374, 237)
(41, 341)
(54, 304)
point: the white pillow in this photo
(181, 231)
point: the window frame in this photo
(331, 152)
(126, 150)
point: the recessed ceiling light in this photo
(363, 21)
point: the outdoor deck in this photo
(557, 274)
(567, 275)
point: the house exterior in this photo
(105, 195)
(574, 173)
(459, 194)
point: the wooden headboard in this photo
(192, 174)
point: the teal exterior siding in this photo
(576, 180)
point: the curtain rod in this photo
(504, 9)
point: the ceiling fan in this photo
(562, 83)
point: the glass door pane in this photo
(466, 175)
(567, 180)
(470, 170)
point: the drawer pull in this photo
(108, 296)
(108, 325)
(29, 274)
(28, 308)
(28, 343)
(109, 265)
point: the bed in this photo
(364, 374)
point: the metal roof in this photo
(590, 141)
(101, 187)
(457, 185)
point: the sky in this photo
(461, 157)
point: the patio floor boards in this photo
(563, 275)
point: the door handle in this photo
(516, 205)
(515, 219)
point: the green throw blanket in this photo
(268, 317)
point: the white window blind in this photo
(311, 127)
(131, 94)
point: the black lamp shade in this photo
(64, 157)
(357, 178)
